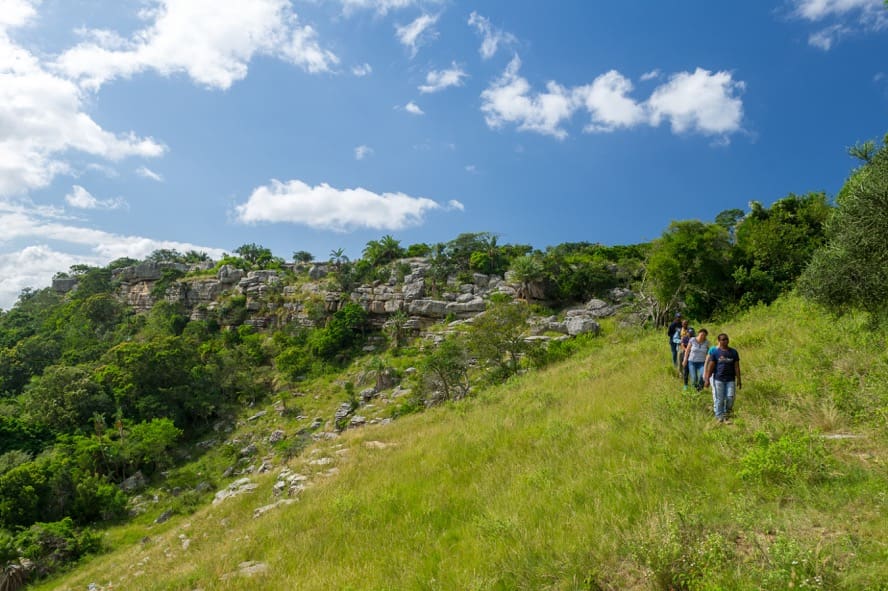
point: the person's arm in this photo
(708, 369)
(737, 374)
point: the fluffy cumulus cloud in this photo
(83, 199)
(699, 102)
(492, 38)
(841, 18)
(419, 32)
(608, 103)
(43, 117)
(438, 80)
(55, 243)
(510, 99)
(212, 41)
(328, 208)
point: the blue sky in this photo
(132, 125)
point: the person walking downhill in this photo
(723, 367)
(689, 336)
(673, 330)
(695, 359)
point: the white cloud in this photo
(328, 208)
(362, 152)
(438, 80)
(701, 102)
(212, 41)
(815, 10)
(492, 37)
(847, 16)
(509, 99)
(147, 173)
(417, 32)
(471, 168)
(705, 102)
(43, 119)
(83, 199)
(608, 104)
(653, 74)
(362, 70)
(15, 13)
(380, 6)
(413, 109)
(825, 38)
(454, 204)
(35, 264)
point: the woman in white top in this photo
(695, 358)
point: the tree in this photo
(445, 371)
(728, 219)
(688, 267)
(382, 251)
(65, 398)
(851, 269)
(530, 275)
(775, 244)
(337, 257)
(302, 256)
(258, 256)
(496, 336)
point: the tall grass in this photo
(598, 473)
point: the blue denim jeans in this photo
(722, 398)
(695, 369)
(674, 346)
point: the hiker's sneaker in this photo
(685, 389)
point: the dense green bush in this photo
(52, 545)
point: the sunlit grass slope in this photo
(595, 474)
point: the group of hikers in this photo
(703, 364)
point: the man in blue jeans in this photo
(723, 366)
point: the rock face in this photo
(266, 301)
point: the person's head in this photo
(691, 332)
(723, 340)
(701, 336)
(684, 323)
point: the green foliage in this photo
(65, 398)
(302, 256)
(420, 249)
(168, 277)
(444, 372)
(775, 244)
(17, 434)
(258, 257)
(344, 331)
(682, 554)
(382, 251)
(792, 458)
(497, 337)
(689, 267)
(25, 359)
(851, 269)
(55, 544)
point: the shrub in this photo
(792, 458)
(52, 545)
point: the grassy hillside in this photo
(598, 473)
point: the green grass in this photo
(597, 473)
